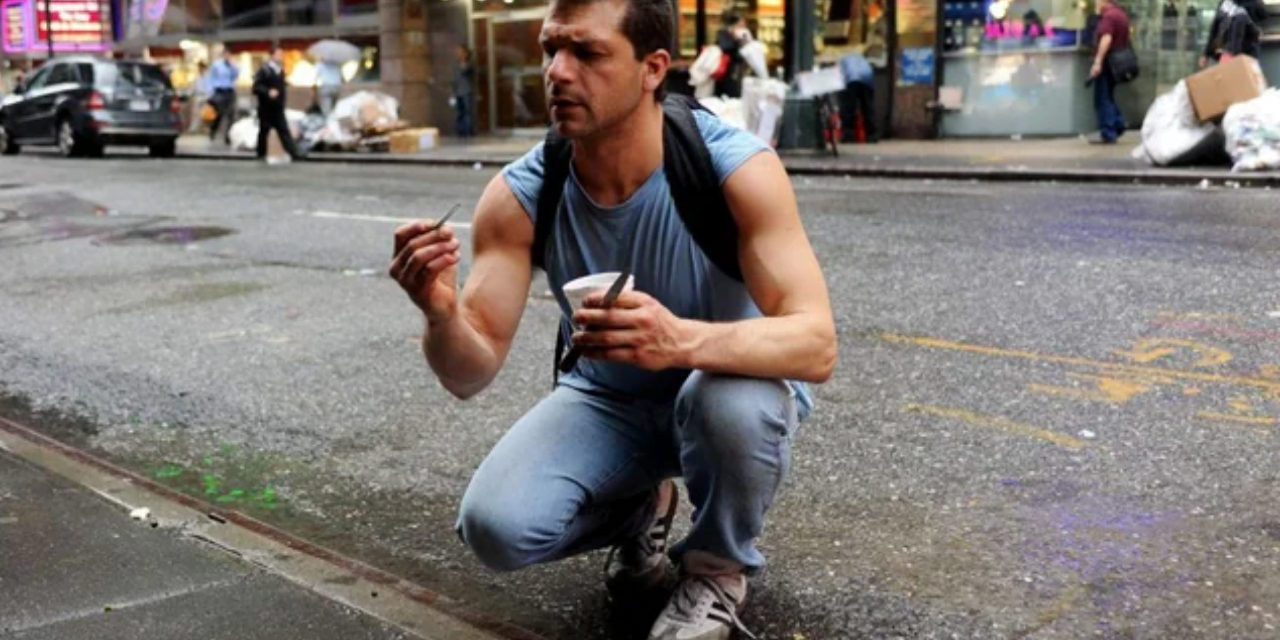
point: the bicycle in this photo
(822, 85)
(830, 129)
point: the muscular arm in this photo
(796, 339)
(467, 350)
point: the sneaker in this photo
(703, 608)
(642, 560)
(1098, 138)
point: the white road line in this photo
(336, 215)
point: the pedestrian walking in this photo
(699, 371)
(272, 93)
(222, 81)
(1236, 30)
(329, 83)
(201, 94)
(730, 39)
(858, 98)
(1111, 36)
(464, 80)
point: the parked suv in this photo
(83, 104)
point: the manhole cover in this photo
(167, 235)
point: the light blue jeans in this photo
(580, 471)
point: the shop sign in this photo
(13, 25)
(77, 25)
(917, 65)
(145, 17)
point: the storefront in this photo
(182, 34)
(1020, 67)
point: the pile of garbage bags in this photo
(1253, 133)
(362, 120)
(1248, 138)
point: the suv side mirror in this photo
(20, 89)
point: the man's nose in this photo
(558, 68)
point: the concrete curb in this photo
(419, 611)
(811, 167)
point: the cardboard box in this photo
(1215, 89)
(414, 140)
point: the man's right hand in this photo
(273, 94)
(426, 266)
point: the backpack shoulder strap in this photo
(557, 153)
(695, 187)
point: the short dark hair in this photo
(649, 25)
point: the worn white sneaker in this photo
(642, 560)
(703, 607)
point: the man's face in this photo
(277, 56)
(593, 79)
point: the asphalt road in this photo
(1054, 416)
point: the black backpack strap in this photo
(557, 154)
(695, 187)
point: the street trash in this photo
(762, 101)
(141, 513)
(364, 120)
(754, 54)
(244, 133)
(727, 109)
(1087, 434)
(1204, 184)
(1171, 134)
(1215, 89)
(1253, 133)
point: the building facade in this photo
(943, 68)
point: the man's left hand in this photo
(636, 330)
(1096, 70)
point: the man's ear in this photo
(655, 69)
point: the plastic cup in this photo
(577, 290)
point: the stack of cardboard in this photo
(414, 140)
(1216, 89)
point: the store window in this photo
(357, 7)
(860, 26)
(1003, 25)
(203, 16)
(246, 14)
(304, 13)
(765, 18)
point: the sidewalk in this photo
(1027, 160)
(73, 566)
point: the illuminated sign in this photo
(77, 25)
(13, 26)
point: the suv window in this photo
(130, 75)
(62, 73)
(37, 81)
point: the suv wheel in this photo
(67, 143)
(165, 149)
(7, 145)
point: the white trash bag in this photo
(1171, 130)
(1253, 133)
(754, 54)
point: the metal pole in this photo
(48, 25)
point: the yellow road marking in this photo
(997, 422)
(1111, 390)
(1148, 350)
(951, 345)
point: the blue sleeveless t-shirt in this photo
(646, 236)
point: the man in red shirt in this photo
(1112, 34)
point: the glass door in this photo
(517, 101)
